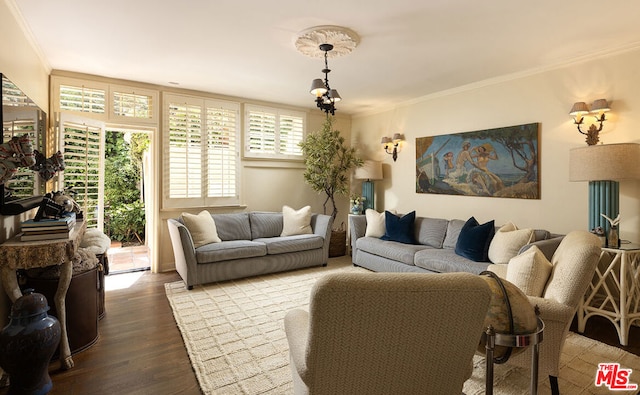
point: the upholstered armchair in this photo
(387, 333)
(572, 267)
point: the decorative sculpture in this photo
(17, 152)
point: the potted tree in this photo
(328, 162)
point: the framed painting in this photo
(501, 162)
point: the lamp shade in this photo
(317, 88)
(398, 137)
(600, 105)
(605, 162)
(370, 170)
(579, 108)
(385, 140)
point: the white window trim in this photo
(202, 201)
(155, 103)
(278, 112)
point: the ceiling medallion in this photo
(343, 40)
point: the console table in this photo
(16, 254)
(614, 291)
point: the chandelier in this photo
(326, 41)
(326, 98)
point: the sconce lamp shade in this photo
(385, 140)
(579, 108)
(600, 105)
(605, 162)
(370, 170)
(397, 137)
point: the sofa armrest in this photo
(548, 246)
(357, 228)
(184, 251)
(321, 225)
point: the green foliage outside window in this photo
(124, 213)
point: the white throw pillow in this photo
(202, 228)
(529, 271)
(507, 242)
(375, 223)
(296, 222)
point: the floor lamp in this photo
(603, 166)
(369, 171)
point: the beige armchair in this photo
(574, 263)
(387, 333)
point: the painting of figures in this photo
(501, 162)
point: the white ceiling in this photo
(408, 48)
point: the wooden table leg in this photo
(66, 271)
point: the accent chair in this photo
(573, 264)
(387, 333)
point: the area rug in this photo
(234, 334)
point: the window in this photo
(83, 99)
(201, 159)
(273, 133)
(132, 105)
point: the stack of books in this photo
(48, 229)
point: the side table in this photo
(614, 291)
(493, 339)
(16, 254)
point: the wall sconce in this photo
(598, 108)
(394, 142)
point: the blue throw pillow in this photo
(474, 240)
(399, 229)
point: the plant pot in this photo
(338, 243)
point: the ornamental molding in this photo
(343, 40)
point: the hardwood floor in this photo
(140, 350)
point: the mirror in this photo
(20, 116)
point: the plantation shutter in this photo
(25, 182)
(83, 99)
(82, 145)
(201, 152)
(273, 133)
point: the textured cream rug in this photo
(234, 335)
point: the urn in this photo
(27, 344)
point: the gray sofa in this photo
(251, 245)
(434, 253)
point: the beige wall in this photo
(545, 97)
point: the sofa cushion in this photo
(431, 231)
(233, 226)
(202, 228)
(296, 222)
(507, 241)
(529, 271)
(398, 228)
(282, 245)
(474, 240)
(227, 250)
(390, 249)
(264, 224)
(445, 260)
(453, 231)
(375, 223)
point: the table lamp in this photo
(369, 171)
(603, 166)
